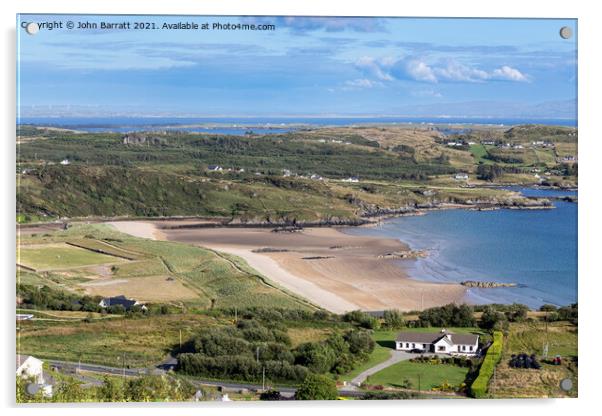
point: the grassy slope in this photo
(108, 178)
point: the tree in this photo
(492, 319)
(393, 319)
(360, 342)
(317, 387)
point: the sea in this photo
(536, 249)
(261, 125)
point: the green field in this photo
(529, 338)
(218, 281)
(430, 375)
(145, 342)
(479, 152)
(61, 256)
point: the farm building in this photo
(120, 300)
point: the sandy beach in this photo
(140, 229)
(337, 271)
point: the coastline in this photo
(337, 271)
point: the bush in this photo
(270, 395)
(317, 387)
(362, 319)
(478, 388)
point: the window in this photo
(407, 345)
(470, 347)
(441, 348)
(463, 347)
(413, 345)
(424, 346)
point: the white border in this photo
(589, 153)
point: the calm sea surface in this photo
(259, 125)
(535, 248)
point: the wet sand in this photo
(337, 271)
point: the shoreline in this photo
(337, 271)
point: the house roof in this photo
(464, 339)
(21, 360)
(422, 337)
(432, 337)
(119, 300)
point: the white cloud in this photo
(420, 71)
(363, 83)
(509, 73)
(455, 71)
(376, 68)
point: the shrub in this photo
(317, 387)
(492, 358)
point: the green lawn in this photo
(479, 152)
(430, 375)
(61, 256)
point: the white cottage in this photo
(30, 367)
(442, 342)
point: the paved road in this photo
(69, 366)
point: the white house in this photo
(30, 367)
(214, 168)
(442, 342)
(65, 162)
(461, 176)
(351, 179)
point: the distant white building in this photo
(461, 176)
(65, 162)
(351, 179)
(214, 168)
(316, 177)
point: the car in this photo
(417, 351)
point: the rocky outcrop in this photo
(486, 285)
(405, 255)
(269, 250)
(141, 138)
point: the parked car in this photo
(417, 351)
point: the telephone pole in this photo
(263, 380)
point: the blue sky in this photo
(307, 66)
